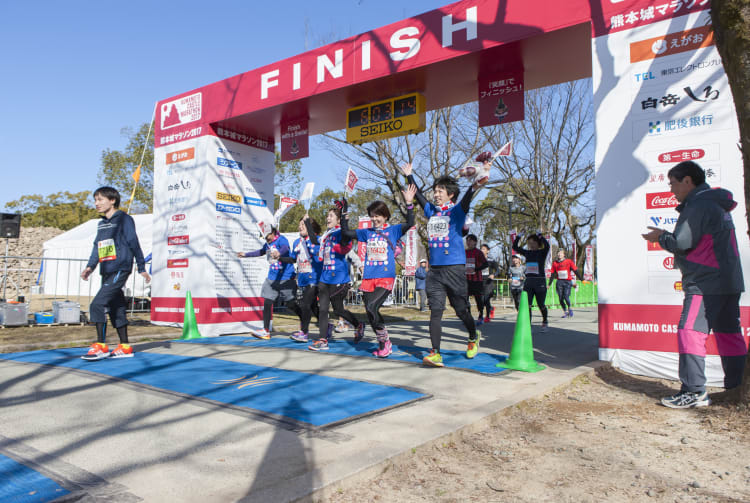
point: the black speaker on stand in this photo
(10, 228)
(10, 225)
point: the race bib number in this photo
(377, 250)
(327, 255)
(562, 274)
(438, 226)
(107, 250)
(532, 268)
(470, 266)
(303, 266)
(515, 282)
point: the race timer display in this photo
(385, 119)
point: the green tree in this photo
(118, 167)
(63, 210)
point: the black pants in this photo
(333, 295)
(373, 302)
(110, 296)
(563, 293)
(537, 289)
(516, 294)
(306, 306)
(448, 281)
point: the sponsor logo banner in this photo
(228, 208)
(181, 111)
(255, 201)
(228, 163)
(660, 200)
(294, 140)
(501, 98)
(186, 154)
(208, 309)
(181, 262)
(673, 43)
(232, 198)
(178, 240)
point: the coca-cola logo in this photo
(660, 200)
(668, 263)
(178, 217)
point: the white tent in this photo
(63, 277)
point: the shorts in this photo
(475, 287)
(446, 280)
(272, 290)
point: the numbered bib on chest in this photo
(303, 266)
(438, 227)
(562, 275)
(107, 250)
(515, 282)
(377, 250)
(470, 265)
(532, 268)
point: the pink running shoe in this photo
(383, 352)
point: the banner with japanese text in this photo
(661, 96)
(501, 98)
(209, 194)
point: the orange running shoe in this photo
(97, 351)
(122, 351)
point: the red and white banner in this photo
(351, 181)
(588, 265)
(501, 98)
(294, 140)
(410, 258)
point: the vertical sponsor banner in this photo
(588, 265)
(410, 260)
(294, 140)
(500, 98)
(351, 181)
(661, 96)
(364, 223)
(209, 194)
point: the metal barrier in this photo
(44, 280)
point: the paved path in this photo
(120, 442)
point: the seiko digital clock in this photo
(385, 119)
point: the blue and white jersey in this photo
(444, 226)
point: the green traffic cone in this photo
(189, 325)
(522, 350)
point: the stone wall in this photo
(29, 244)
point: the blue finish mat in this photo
(483, 363)
(21, 484)
(306, 398)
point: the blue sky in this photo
(75, 73)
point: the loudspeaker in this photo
(10, 225)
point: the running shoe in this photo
(433, 359)
(565, 314)
(386, 350)
(97, 351)
(360, 333)
(492, 313)
(473, 348)
(341, 326)
(122, 351)
(299, 336)
(687, 400)
(487, 319)
(570, 313)
(479, 321)
(319, 345)
(544, 326)
(261, 334)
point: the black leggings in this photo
(333, 295)
(479, 300)
(306, 307)
(538, 292)
(373, 302)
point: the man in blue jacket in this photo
(420, 275)
(115, 246)
(705, 250)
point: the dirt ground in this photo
(603, 437)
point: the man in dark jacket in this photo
(705, 250)
(115, 246)
(419, 279)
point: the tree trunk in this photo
(731, 23)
